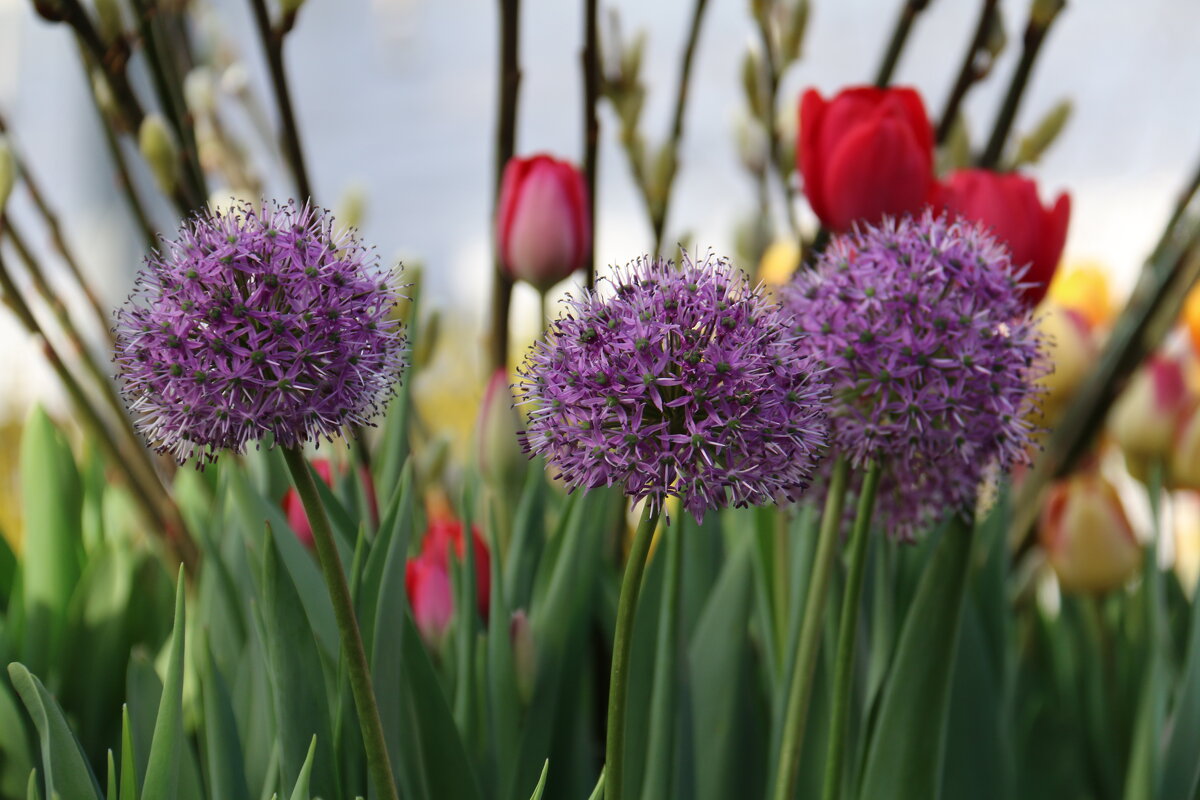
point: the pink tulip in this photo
(294, 508)
(542, 225)
(427, 577)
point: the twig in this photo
(168, 83)
(771, 67)
(506, 137)
(1035, 35)
(1158, 298)
(56, 234)
(272, 41)
(591, 125)
(659, 217)
(908, 13)
(165, 517)
(968, 73)
(124, 179)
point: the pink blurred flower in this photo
(542, 225)
(427, 577)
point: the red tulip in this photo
(542, 227)
(427, 577)
(294, 508)
(865, 153)
(1008, 204)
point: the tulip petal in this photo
(876, 170)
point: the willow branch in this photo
(272, 37)
(591, 124)
(506, 138)
(968, 73)
(891, 56)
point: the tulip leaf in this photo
(300, 792)
(51, 498)
(162, 771)
(528, 540)
(66, 767)
(395, 530)
(111, 794)
(503, 694)
(907, 744)
(226, 761)
(16, 757)
(297, 677)
(664, 693)
(129, 771)
(598, 792)
(32, 790)
(718, 657)
(541, 784)
(1180, 775)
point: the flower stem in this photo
(847, 630)
(631, 587)
(807, 648)
(343, 608)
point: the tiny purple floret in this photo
(932, 359)
(680, 382)
(252, 322)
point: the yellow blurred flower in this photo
(1086, 535)
(1072, 348)
(779, 261)
(1191, 317)
(1084, 287)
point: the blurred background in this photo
(396, 104)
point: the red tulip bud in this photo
(294, 508)
(865, 153)
(542, 228)
(1008, 204)
(427, 577)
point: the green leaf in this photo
(111, 794)
(664, 696)
(162, 770)
(541, 784)
(129, 770)
(298, 680)
(718, 657)
(301, 790)
(1180, 775)
(395, 530)
(16, 755)
(8, 571)
(51, 498)
(528, 540)
(32, 792)
(225, 758)
(904, 756)
(503, 694)
(67, 770)
(598, 792)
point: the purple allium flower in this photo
(679, 382)
(932, 359)
(257, 321)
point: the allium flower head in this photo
(257, 321)
(932, 358)
(678, 382)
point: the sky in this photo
(397, 99)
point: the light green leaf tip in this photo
(162, 771)
(300, 792)
(541, 784)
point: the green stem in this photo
(847, 630)
(891, 56)
(809, 645)
(343, 609)
(656, 783)
(631, 587)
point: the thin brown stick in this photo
(591, 124)
(891, 56)
(968, 74)
(272, 37)
(506, 138)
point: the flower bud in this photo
(542, 228)
(1185, 455)
(1084, 287)
(1086, 535)
(160, 151)
(498, 456)
(200, 92)
(103, 94)
(1072, 349)
(290, 6)
(1146, 416)
(865, 154)
(108, 20)
(427, 577)
(779, 262)
(8, 171)
(524, 655)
